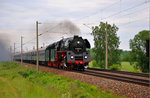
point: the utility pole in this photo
(14, 52)
(37, 47)
(106, 55)
(43, 45)
(21, 49)
(149, 32)
(149, 16)
(10, 53)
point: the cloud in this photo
(19, 17)
(76, 5)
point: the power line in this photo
(140, 4)
(117, 12)
(100, 10)
(126, 9)
(130, 13)
(49, 30)
(134, 11)
(28, 41)
(134, 21)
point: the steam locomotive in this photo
(68, 53)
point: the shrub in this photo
(115, 67)
(26, 73)
(93, 63)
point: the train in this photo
(67, 53)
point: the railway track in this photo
(130, 77)
(121, 76)
(122, 72)
(124, 78)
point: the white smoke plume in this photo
(4, 51)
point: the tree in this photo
(99, 41)
(138, 53)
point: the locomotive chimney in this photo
(75, 36)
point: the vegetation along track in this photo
(137, 78)
(115, 75)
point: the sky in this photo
(18, 18)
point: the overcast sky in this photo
(18, 17)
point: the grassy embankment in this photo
(125, 66)
(22, 82)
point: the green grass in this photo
(126, 66)
(22, 82)
(93, 64)
(13, 85)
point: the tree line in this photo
(116, 55)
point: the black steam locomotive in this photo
(68, 53)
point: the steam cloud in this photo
(53, 31)
(4, 53)
(60, 29)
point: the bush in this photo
(93, 63)
(115, 67)
(26, 73)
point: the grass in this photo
(93, 64)
(22, 82)
(13, 85)
(126, 66)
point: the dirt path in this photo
(10, 85)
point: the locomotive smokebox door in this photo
(85, 56)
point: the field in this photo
(125, 66)
(22, 82)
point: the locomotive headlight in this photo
(78, 42)
(72, 57)
(86, 57)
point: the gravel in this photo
(117, 87)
